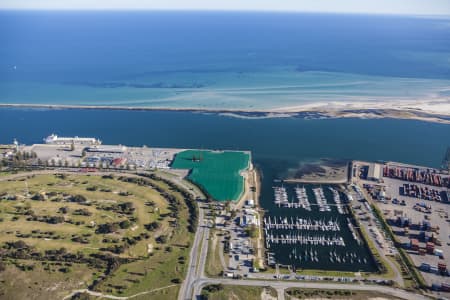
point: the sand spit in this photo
(437, 110)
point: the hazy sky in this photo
(416, 7)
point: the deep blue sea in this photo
(220, 59)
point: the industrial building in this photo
(374, 172)
(249, 218)
(107, 149)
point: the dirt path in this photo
(265, 295)
(98, 294)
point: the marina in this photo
(318, 233)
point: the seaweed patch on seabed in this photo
(324, 167)
(311, 115)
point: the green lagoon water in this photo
(218, 173)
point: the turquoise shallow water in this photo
(219, 59)
(267, 89)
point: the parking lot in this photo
(104, 156)
(241, 253)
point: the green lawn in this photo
(218, 173)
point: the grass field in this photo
(41, 284)
(218, 173)
(213, 265)
(144, 258)
(226, 292)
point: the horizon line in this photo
(444, 16)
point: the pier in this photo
(293, 238)
(302, 198)
(321, 200)
(337, 200)
(353, 231)
(281, 198)
(301, 224)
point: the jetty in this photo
(294, 238)
(337, 200)
(301, 224)
(302, 198)
(321, 200)
(353, 231)
(281, 198)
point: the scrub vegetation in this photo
(114, 234)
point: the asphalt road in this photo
(282, 285)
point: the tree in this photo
(107, 228)
(38, 197)
(152, 226)
(251, 231)
(2, 266)
(125, 224)
(78, 199)
(228, 205)
(162, 239)
(19, 245)
(81, 296)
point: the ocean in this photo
(220, 60)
